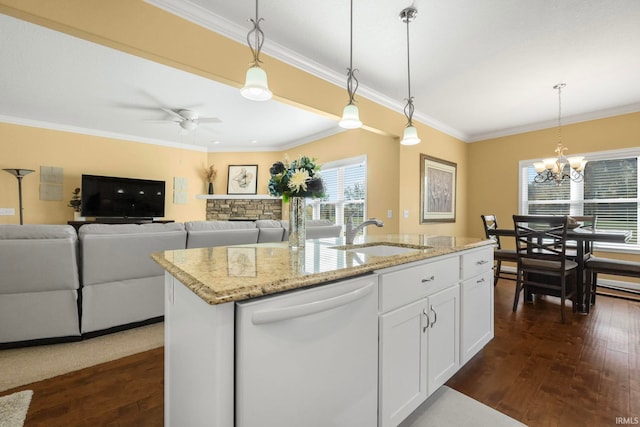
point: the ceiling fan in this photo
(188, 119)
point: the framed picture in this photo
(242, 179)
(241, 262)
(437, 190)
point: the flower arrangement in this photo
(299, 178)
(75, 202)
(210, 173)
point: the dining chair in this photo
(599, 265)
(499, 255)
(543, 267)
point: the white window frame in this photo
(340, 204)
(577, 195)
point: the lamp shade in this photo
(350, 117)
(255, 85)
(410, 136)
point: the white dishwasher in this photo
(309, 358)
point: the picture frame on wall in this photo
(242, 179)
(437, 190)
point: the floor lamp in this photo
(20, 173)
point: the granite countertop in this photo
(234, 273)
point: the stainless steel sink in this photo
(381, 250)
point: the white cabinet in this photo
(419, 335)
(403, 362)
(444, 337)
(477, 300)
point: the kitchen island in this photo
(416, 325)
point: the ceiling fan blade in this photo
(173, 113)
(208, 120)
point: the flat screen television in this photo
(113, 197)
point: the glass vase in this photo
(297, 235)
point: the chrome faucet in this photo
(350, 232)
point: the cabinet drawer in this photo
(404, 286)
(477, 262)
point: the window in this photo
(346, 192)
(609, 191)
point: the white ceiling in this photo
(479, 69)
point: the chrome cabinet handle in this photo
(480, 281)
(424, 328)
(435, 317)
(429, 279)
(482, 261)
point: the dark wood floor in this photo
(537, 370)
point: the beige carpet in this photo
(14, 407)
(449, 408)
(22, 366)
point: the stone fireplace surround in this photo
(223, 207)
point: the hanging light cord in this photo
(351, 77)
(559, 87)
(259, 39)
(408, 108)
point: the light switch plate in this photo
(406, 213)
(7, 211)
(390, 213)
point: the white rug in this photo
(14, 407)
(20, 366)
(449, 408)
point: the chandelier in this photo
(255, 87)
(350, 114)
(560, 168)
(410, 136)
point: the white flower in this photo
(298, 180)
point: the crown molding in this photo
(578, 118)
(205, 18)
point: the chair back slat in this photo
(541, 238)
(491, 223)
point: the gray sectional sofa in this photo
(57, 284)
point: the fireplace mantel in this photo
(236, 197)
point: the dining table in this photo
(584, 238)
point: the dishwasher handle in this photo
(301, 310)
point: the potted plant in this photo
(76, 204)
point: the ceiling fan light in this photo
(410, 136)
(188, 124)
(255, 86)
(350, 117)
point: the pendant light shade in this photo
(350, 117)
(255, 86)
(351, 114)
(410, 135)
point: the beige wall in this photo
(393, 170)
(493, 164)
(31, 148)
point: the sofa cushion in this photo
(270, 230)
(204, 234)
(114, 252)
(35, 258)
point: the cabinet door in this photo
(403, 362)
(443, 336)
(477, 314)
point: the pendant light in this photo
(350, 114)
(410, 135)
(553, 169)
(255, 86)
